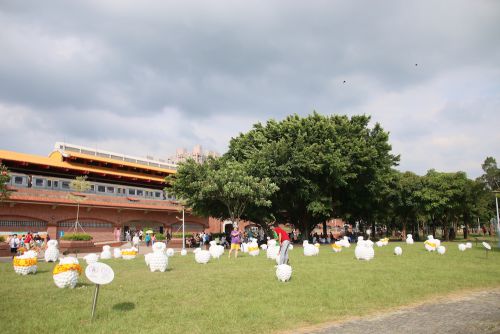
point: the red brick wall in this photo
(54, 214)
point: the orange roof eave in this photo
(56, 160)
(115, 162)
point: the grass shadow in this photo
(43, 271)
(83, 284)
(124, 307)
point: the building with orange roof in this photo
(126, 194)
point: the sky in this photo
(146, 77)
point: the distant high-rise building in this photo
(197, 154)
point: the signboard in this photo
(99, 273)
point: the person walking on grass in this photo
(284, 241)
(235, 242)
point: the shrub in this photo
(159, 236)
(178, 235)
(2, 238)
(77, 237)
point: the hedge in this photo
(77, 237)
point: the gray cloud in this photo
(105, 71)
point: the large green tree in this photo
(220, 188)
(4, 179)
(442, 197)
(491, 181)
(324, 166)
(491, 176)
(404, 200)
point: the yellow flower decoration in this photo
(427, 242)
(61, 268)
(24, 262)
(129, 253)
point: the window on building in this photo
(18, 180)
(110, 190)
(38, 182)
(101, 189)
(65, 185)
(157, 194)
(56, 184)
(140, 192)
(92, 188)
(49, 183)
(131, 191)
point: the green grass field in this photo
(242, 295)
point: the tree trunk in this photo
(324, 228)
(374, 231)
(305, 235)
(403, 232)
(446, 233)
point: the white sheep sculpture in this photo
(52, 252)
(26, 264)
(364, 250)
(253, 248)
(66, 273)
(117, 253)
(215, 250)
(310, 250)
(91, 258)
(272, 251)
(158, 261)
(283, 272)
(337, 247)
(202, 256)
(106, 252)
(170, 252)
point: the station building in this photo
(126, 194)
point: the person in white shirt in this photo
(14, 244)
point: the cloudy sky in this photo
(146, 77)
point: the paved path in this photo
(473, 312)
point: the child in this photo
(235, 242)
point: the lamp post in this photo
(183, 231)
(496, 192)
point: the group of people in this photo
(199, 240)
(280, 235)
(148, 238)
(26, 241)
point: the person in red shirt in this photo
(27, 241)
(284, 241)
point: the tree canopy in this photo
(306, 170)
(4, 179)
(324, 166)
(220, 188)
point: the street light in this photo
(183, 229)
(496, 192)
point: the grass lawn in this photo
(242, 295)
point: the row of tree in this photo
(306, 170)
